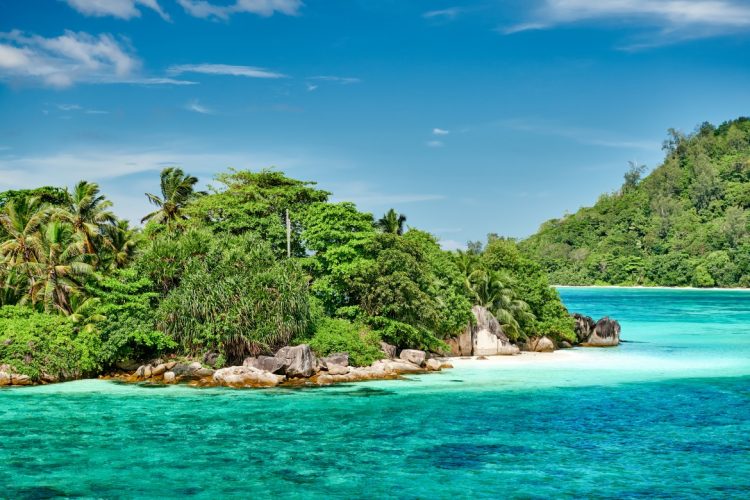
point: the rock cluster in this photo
(8, 377)
(602, 333)
(292, 365)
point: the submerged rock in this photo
(298, 361)
(414, 356)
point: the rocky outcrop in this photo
(484, 338)
(603, 333)
(4, 379)
(583, 327)
(539, 344)
(339, 358)
(270, 364)
(461, 345)
(299, 361)
(413, 356)
(388, 349)
(246, 376)
(606, 334)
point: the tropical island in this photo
(235, 276)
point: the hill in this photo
(686, 223)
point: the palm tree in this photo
(87, 214)
(490, 289)
(177, 189)
(20, 219)
(121, 243)
(392, 222)
(60, 267)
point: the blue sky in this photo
(469, 117)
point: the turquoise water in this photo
(664, 415)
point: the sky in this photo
(473, 117)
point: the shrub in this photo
(340, 335)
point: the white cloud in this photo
(435, 144)
(369, 197)
(224, 69)
(677, 19)
(78, 107)
(451, 245)
(445, 14)
(198, 108)
(69, 107)
(123, 9)
(68, 59)
(336, 79)
(265, 8)
(310, 87)
(440, 131)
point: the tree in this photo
(21, 219)
(633, 176)
(492, 289)
(392, 222)
(177, 190)
(86, 210)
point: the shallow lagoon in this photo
(665, 414)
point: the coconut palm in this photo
(392, 222)
(59, 269)
(87, 213)
(121, 243)
(491, 289)
(20, 219)
(177, 189)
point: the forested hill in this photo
(686, 223)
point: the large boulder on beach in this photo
(461, 345)
(246, 376)
(487, 336)
(583, 327)
(299, 361)
(606, 333)
(413, 356)
(540, 344)
(270, 364)
(338, 358)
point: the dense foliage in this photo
(686, 223)
(257, 263)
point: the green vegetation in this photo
(213, 272)
(684, 224)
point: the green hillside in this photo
(686, 223)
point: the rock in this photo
(433, 365)
(388, 349)
(204, 372)
(139, 373)
(338, 369)
(210, 358)
(462, 344)
(187, 372)
(396, 366)
(482, 358)
(127, 365)
(195, 366)
(4, 379)
(540, 344)
(147, 371)
(299, 361)
(565, 345)
(158, 370)
(584, 327)
(486, 336)
(169, 378)
(267, 363)
(413, 356)
(171, 365)
(48, 378)
(444, 364)
(606, 333)
(339, 358)
(16, 379)
(246, 376)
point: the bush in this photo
(340, 335)
(34, 344)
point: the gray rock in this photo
(127, 365)
(158, 370)
(298, 361)
(194, 366)
(540, 344)
(565, 345)
(147, 371)
(339, 358)
(171, 365)
(204, 372)
(606, 334)
(266, 363)
(433, 365)
(169, 378)
(583, 327)
(140, 372)
(487, 336)
(246, 376)
(414, 356)
(388, 349)
(338, 369)
(210, 358)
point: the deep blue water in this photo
(665, 415)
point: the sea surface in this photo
(666, 414)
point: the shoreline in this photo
(660, 287)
